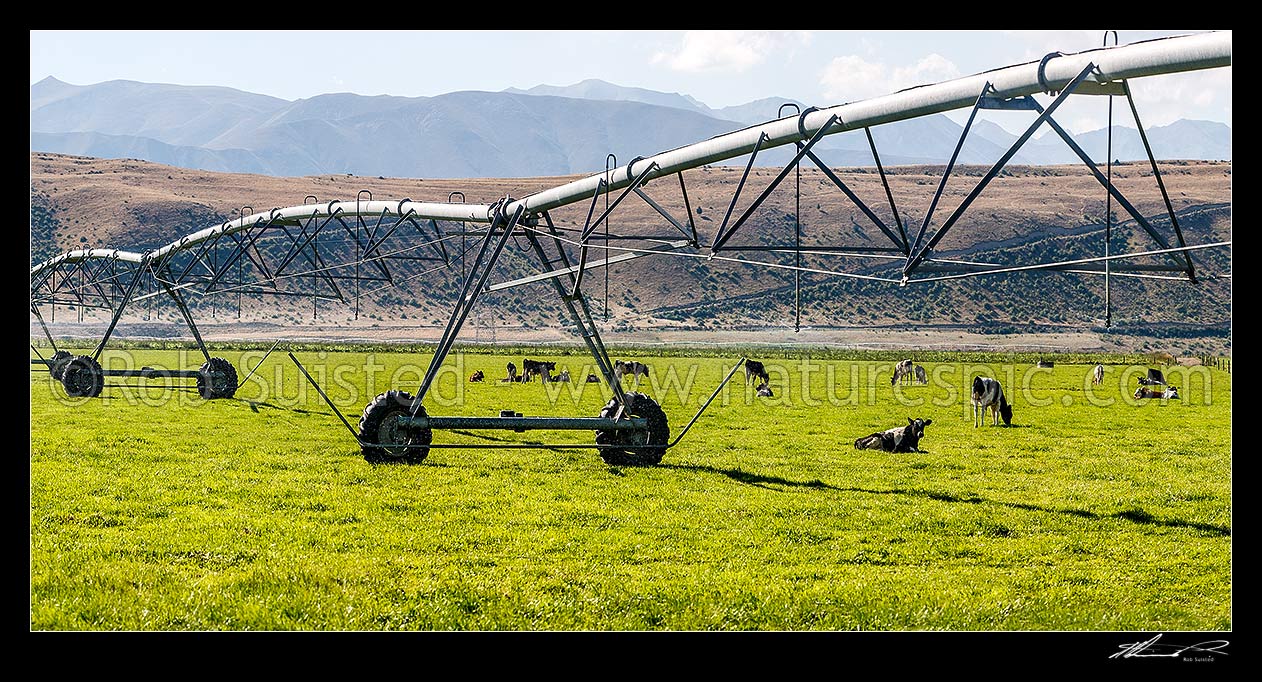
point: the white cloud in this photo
(851, 77)
(930, 69)
(732, 51)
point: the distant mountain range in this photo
(546, 130)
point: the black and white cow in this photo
(635, 369)
(755, 369)
(901, 370)
(539, 368)
(988, 394)
(898, 439)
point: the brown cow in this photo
(1169, 392)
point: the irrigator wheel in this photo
(58, 362)
(381, 427)
(82, 377)
(658, 433)
(217, 378)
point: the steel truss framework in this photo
(331, 250)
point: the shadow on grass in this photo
(1132, 515)
(484, 436)
(750, 478)
(255, 405)
(427, 462)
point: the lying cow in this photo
(898, 439)
(563, 377)
(593, 379)
(477, 377)
(764, 390)
(1169, 392)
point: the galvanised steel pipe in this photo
(1149, 58)
(90, 254)
(419, 209)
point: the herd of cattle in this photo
(621, 370)
(987, 394)
(546, 371)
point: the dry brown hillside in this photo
(1027, 214)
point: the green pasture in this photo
(151, 509)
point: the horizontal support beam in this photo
(594, 264)
(529, 423)
(984, 267)
(146, 373)
(831, 250)
(1061, 265)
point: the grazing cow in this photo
(635, 369)
(987, 393)
(477, 377)
(593, 379)
(764, 390)
(754, 368)
(902, 369)
(921, 377)
(1048, 364)
(898, 439)
(1167, 393)
(539, 368)
(1097, 374)
(512, 374)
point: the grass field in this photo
(154, 510)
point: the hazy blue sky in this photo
(719, 68)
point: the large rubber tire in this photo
(658, 433)
(58, 363)
(217, 378)
(384, 438)
(82, 377)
